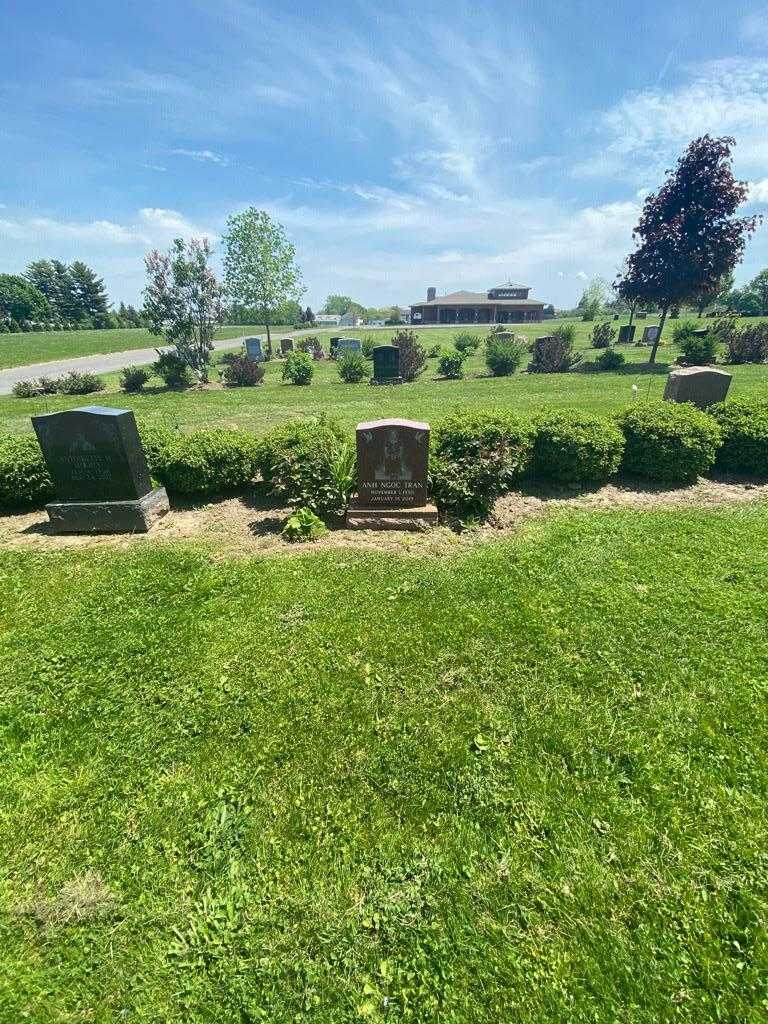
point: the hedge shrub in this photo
(242, 372)
(308, 463)
(554, 353)
(451, 365)
(79, 383)
(467, 342)
(476, 458)
(298, 368)
(503, 356)
(352, 367)
(133, 378)
(608, 360)
(24, 478)
(206, 461)
(744, 426)
(669, 441)
(575, 447)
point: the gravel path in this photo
(107, 363)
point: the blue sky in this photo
(401, 145)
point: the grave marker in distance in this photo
(99, 472)
(286, 345)
(345, 345)
(626, 334)
(253, 349)
(650, 334)
(392, 459)
(386, 365)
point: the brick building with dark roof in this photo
(505, 304)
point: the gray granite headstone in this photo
(253, 349)
(642, 314)
(286, 345)
(626, 334)
(386, 365)
(345, 345)
(702, 385)
(99, 471)
(650, 334)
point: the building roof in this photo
(477, 299)
(509, 284)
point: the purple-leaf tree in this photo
(688, 237)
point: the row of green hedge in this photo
(475, 458)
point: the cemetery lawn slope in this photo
(24, 349)
(524, 784)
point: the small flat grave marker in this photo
(99, 471)
(386, 365)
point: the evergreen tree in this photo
(89, 295)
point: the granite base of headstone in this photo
(702, 385)
(392, 460)
(386, 365)
(99, 472)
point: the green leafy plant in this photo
(303, 525)
(476, 458)
(744, 427)
(370, 341)
(299, 462)
(575, 447)
(208, 462)
(748, 344)
(24, 478)
(696, 350)
(467, 342)
(79, 383)
(413, 358)
(298, 368)
(609, 360)
(133, 378)
(451, 365)
(173, 370)
(26, 389)
(669, 441)
(434, 351)
(603, 334)
(554, 353)
(352, 367)
(48, 385)
(242, 372)
(503, 356)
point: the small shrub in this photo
(603, 334)
(748, 344)
(683, 329)
(48, 385)
(476, 458)
(158, 440)
(304, 525)
(24, 478)
(306, 463)
(370, 342)
(434, 351)
(609, 360)
(307, 344)
(173, 370)
(133, 378)
(451, 365)
(744, 427)
(467, 342)
(697, 350)
(669, 441)
(554, 354)
(232, 357)
(26, 389)
(413, 358)
(352, 367)
(209, 462)
(502, 357)
(298, 368)
(575, 447)
(79, 383)
(242, 372)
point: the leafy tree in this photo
(260, 265)
(338, 304)
(309, 316)
(744, 302)
(593, 299)
(688, 236)
(53, 279)
(183, 301)
(20, 300)
(758, 286)
(628, 287)
(717, 293)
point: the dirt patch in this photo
(246, 527)
(83, 898)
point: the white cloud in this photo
(154, 167)
(758, 191)
(582, 276)
(48, 229)
(202, 156)
(753, 27)
(645, 130)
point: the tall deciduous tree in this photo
(758, 286)
(688, 236)
(338, 304)
(260, 265)
(183, 301)
(716, 293)
(20, 300)
(593, 299)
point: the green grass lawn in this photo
(45, 346)
(428, 398)
(527, 784)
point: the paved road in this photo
(106, 363)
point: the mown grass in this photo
(429, 398)
(528, 784)
(23, 349)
